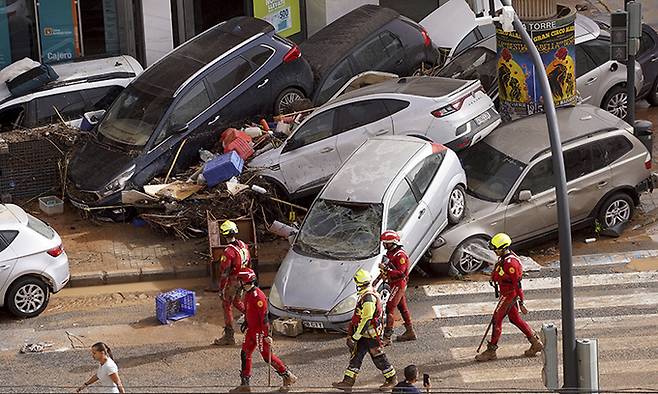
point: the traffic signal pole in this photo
(630, 80)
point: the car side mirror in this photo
(614, 67)
(525, 195)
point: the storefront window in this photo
(100, 27)
(17, 31)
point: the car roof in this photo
(11, 215)
(167, 75)
(525, 138)
(462, 22)
(368, 172)
(416, 86)
(332, 43)
(586, 29)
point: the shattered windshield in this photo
(339, 230)
(489, 172)
(133, 116)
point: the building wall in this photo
(158, 34)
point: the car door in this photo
(7, 256)
(648, 56)
(335, 80)
(309, 157)
(528, 219)
(358, 121)
(394, 53)
(13, 117)
(232, 92)
(606, 74)
(48, 109)
(587, 75)
(409, 216)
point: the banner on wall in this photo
(57, 30)
(5, 44)
(284, 15)
(519, 91)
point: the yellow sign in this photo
(284, 15)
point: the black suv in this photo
(229, 73)
(367, 38)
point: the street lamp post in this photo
(630, 81)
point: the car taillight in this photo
(427, 41)
(293, 54)
(647, 162)
(54, 252)
(449, 109)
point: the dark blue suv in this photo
(229, 73)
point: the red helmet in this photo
(390, 237)
(247, 275)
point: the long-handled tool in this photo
(489, 326)
(269, 365)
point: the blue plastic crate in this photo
(222, 168)
(175, 305)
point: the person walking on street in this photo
(506, 278)
(396, 273)
(364, 335)
(234, 258)
(107, 373)
(408, 385)
(257, 334)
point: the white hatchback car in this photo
(33, 263)
(451, 112)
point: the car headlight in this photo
(119, 182)
(345, 306)
(275, 298)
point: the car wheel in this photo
(616, 102)
(285, 99)
(464, 261)
(28, 297)
(652, 98)
(456, 205)
(616, 210)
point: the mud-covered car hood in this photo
(94, 165)
(266, 159)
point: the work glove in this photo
(268, 340)
(350, 343)
(243, 326)
(524, 310)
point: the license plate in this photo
(483, 118)
(313, 324)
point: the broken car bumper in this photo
(314, 320)
(648, 184)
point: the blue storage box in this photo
(175, 305)
(222, 168)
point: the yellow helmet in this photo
(228, 228)
(362, 278)
(500, 241)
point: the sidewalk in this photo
(110, 253)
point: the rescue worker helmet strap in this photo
(228, 228)
(362, 277)
(500, 241)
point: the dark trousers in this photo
(373, 346)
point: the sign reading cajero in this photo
(520, 93)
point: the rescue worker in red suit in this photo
(364, 335)
(257, 333)
(234, 258)
(507, 275)
(396, 273)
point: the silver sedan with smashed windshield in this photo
(400, 183)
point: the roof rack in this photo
(574, 139)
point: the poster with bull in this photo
(520, 93)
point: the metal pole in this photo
(569, 361)
(630, 80)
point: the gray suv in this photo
(511, 189)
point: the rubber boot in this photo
(386, 338)
(228, 339)
(288, 380)
(389, 383)
(489, 354)
(346, 384)
(409, 334)
(243, 387)
(535, 346)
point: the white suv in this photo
(33, 263)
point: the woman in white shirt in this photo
(107, 374)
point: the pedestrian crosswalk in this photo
(620, 309)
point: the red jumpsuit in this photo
(397, 278)
(508, 273)
(235, 257)
(258, 326)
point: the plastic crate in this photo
(175, 305)
(230, 134)
(222, 168)
(241, 147)
(51, 205)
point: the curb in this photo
(147, 274)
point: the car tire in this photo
(285, 99)
(456, 205)
(652, 97)
(465, 263)
(28, 297)
(617, 209)
(616, 101)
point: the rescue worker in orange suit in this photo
(396, 273)
(234, 258)
(507, 275)
(364, 335)
(257, 333)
